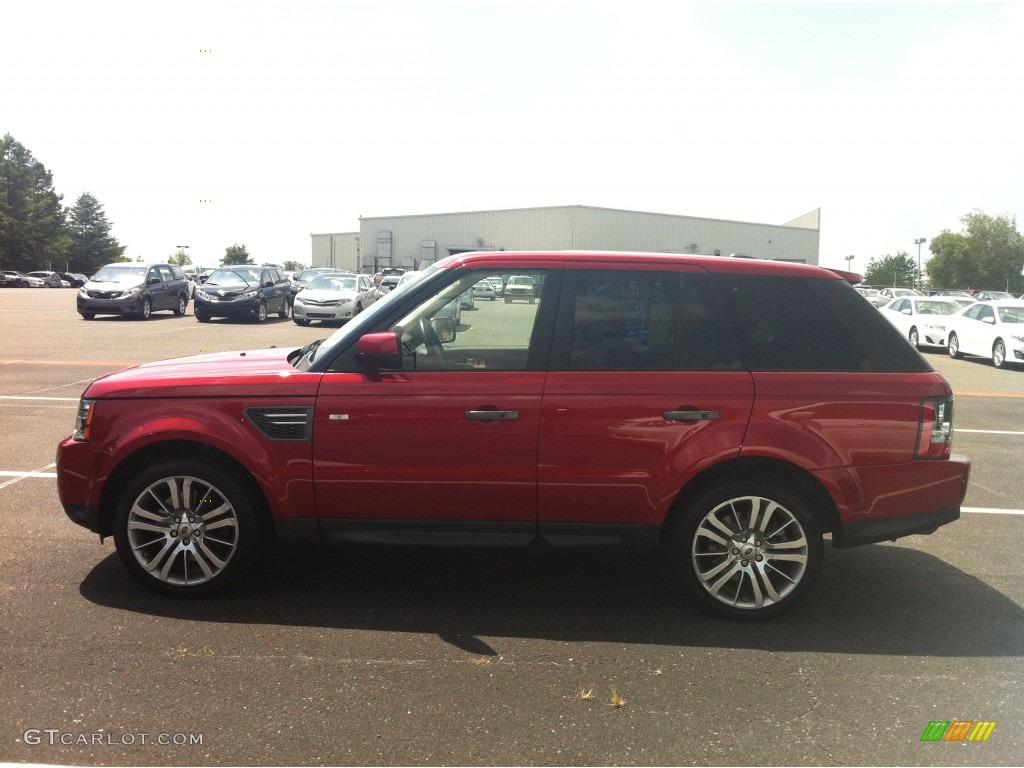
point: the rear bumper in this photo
(891, 528)
(887, 502)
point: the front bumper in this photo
(123, 306)
(343, 311)
(228, 308)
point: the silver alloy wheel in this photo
(998, 354)
(915, 340)
(749, 552)
(953, 346)
(182, 530)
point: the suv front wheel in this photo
(184, 528)
(748, 550)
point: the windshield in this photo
(937, 307)
(309, 274)
(1012, 314)
(120, 274)
(331, 283)
(235, 276)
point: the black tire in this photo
(179, 308)
(301, 321)
(87, 315)
(202, 317)
(747, 550)
(999, 354)
(146, 308)
(285, 310)
(915, 338)
(186, 528)
(953, 346)
(261, 312)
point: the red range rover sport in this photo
(729, 411)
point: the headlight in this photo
(248, 295)
(1017, 336)
(131, 292)
(83, 293)
(83, 420)
(200, 293)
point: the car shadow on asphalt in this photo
(880, 600)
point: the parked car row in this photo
(991, 327)
(41, 279)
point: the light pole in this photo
(919, 242)
(849, 262)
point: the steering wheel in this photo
(432, 343)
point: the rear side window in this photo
(645, 320)
(811, 324)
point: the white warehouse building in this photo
(413, 242)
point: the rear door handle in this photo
(691, 415)
(492, 415)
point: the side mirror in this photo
(153, 280)
(444, 327)
(907, 311)
(989, 320)
(381, 351)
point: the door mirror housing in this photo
(380, 351)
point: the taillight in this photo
(935, 435)
(83, 420)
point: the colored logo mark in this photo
(958, 730)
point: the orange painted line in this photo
(988, 394)
(120, 364)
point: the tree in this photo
(293, 266)
(236, 254)
(987, 254)
(899, 270)
(180, 258)
(33, 234)
(92, 246)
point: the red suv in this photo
(730, 411)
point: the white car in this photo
(898, 293)
(992, 329)
(484, 290)
(921, 319)
(333, 297)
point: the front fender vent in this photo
(287, 424)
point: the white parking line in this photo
(19, 476)
(987, 511)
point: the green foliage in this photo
(899, 271)
(236, 254)
(180, 258)
(987, 255)
(33, 234)
(293, 266)
(91, 243)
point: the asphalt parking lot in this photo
(388, 657)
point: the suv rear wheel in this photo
(184, 528)
(748, 550)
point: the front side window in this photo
(439, 334)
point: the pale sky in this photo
(210, 123)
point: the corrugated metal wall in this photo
(409, 241)
(337, 249)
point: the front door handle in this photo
(492, 415)
(691, 415)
